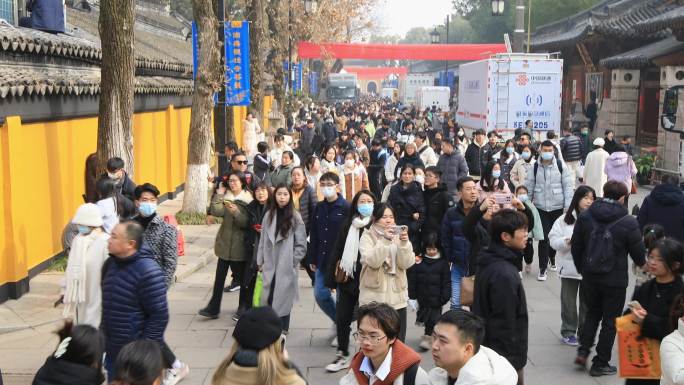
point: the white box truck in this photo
(411, 84)
(426, 97)
(506, 90)
(390, 93)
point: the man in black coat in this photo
(604, 293)
(499, 296)
(665, 207)
(437, 201)
(452, 165)
(475, 155)
(571, 149)
(116, 171)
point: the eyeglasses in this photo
(373, 339)
(243, 162)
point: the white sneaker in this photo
(341, 362)
(528, 268)
(541, 277)
(333, 343)
(425, 343)
(553, 268)
(174, 376)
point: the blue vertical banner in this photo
(195, 50)
(298, 76)
(237, 63)
(313, 83)
(286, 74)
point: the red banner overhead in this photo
(456, 52)
(376, 72)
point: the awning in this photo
(642, 56)
(461, 52)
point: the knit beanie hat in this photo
(258, 328)
(599, 142)
(88, 214)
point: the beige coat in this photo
(376, 283)
(241, 375)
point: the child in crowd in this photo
(429, 288)
(262, 162)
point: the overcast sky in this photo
(398, 16)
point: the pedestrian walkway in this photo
(26, 325)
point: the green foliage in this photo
(194, 218)
(645, 163)
(59, 264)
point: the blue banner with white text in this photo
(237, 63)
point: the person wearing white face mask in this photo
(325, 225)
(354, 177)
(82, 295)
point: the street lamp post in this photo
(446, 62)
(434, 36)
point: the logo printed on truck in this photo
(522, 80)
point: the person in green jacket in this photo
(230, 203)
(536, 233)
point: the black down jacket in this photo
(571, 148)
(134, 303)
(430, 282)
(499, 299)
(437, 202)
(664, 206)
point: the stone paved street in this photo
(26, 326)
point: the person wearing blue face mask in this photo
(82, 292)
(161, 239)
(344, 268)
(550, 187)
(492, 183)
(522, 166)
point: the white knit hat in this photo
(88, 214)
(599, 142)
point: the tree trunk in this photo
(255, 14)
(278, 38)
(207, 82)
(114, 130)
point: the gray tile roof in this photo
(610, 18)
(673, 18)
(153, 51)
(18, 80)
(642, 56)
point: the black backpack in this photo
(600, 257)
(410, 374)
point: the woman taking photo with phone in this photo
(230, 204)
(386, 254)
(282, 245)
(492, 185)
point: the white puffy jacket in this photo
(485, 368)
(557, 236)
(672, 357)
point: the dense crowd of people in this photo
(389, 210)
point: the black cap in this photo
(258, 328)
